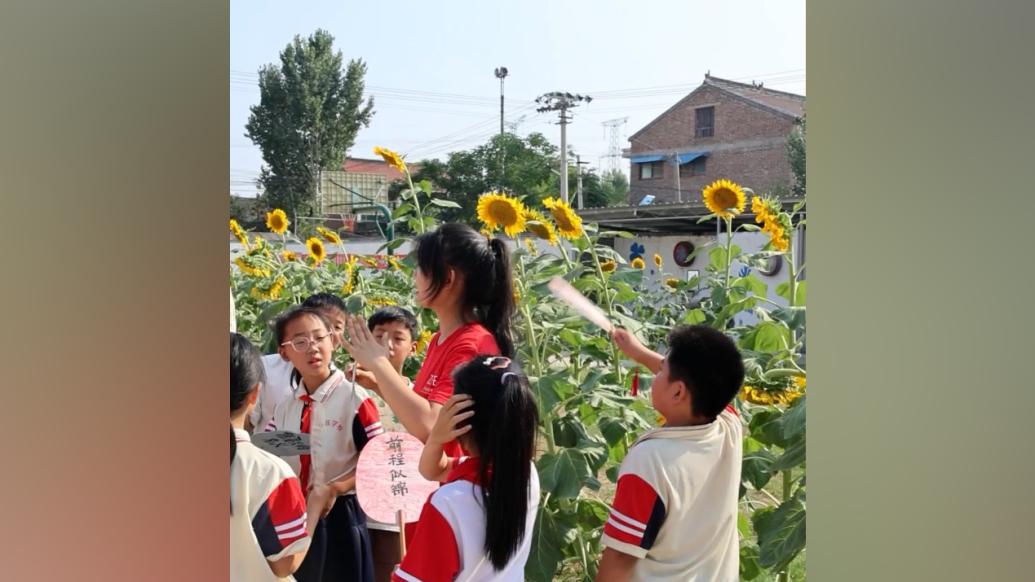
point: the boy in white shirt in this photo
(674, 515)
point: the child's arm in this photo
(636, 351)
(287, 565)
(414, 412)
(615, 566)
(434, 464)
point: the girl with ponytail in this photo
(478, 525)
(465, 278)
(270, 522)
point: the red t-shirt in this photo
(435, 378)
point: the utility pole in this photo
(501, 73)
(562, 102)
(578, 168)
(679, 190)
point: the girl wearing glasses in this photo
(478, 525)
(340, 418)
(465, 279)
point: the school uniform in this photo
(449, 543)
(278, 388)
(340, 418)
(268, 513)
(676, 504)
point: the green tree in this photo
(796, 156)
(308, 115)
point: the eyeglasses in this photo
(301, 344)
(497, 362)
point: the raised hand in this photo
(452, 413)
(361, 344)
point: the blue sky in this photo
(430, 64)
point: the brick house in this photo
(722, 129)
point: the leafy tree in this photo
(796, 156)
(307, 117)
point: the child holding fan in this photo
(340, 418)
(478, 525)
(269, 521)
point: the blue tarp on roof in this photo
(646, 159)
(688, 157)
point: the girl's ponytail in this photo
(246, 372)
(502, 307)
(504, 430)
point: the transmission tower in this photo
(613, 132)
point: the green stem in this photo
(533, 349)
(729, 252)
(416, 202)
(582, 554)
(784, 576)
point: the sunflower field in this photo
(592, 401)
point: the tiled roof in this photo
(788, 103)
(378, 166)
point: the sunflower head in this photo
(329, 235)
(317, 252)
(537, 224)
(608, 266)
(799, 382)
(672, 282)
(724, 198)
(657, 260)
(277, 221)
(391, 158)
(638, 263)
(532, 250)
(239, 232)
(423, 341)
(289, 256)
(497, 210)
(569, 224)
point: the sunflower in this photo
(799, 382)
(381, 302)
(277, 221)
(391, 158)
(289, 256)
(672, 282)
(657, 260)
(249, 269)
(423, 340)
(638, 263)
(329, 235)
(537, 224)
(724, 198)
(569, 224)
(272, 293)
(608, 266)
(394, 263)
(497, 210)
(239, 232)
(760, 209)
(316, 250)
(532, 250)
(259, 246)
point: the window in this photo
(695, 168)
(705, 122)
(651, 170)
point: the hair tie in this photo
(503, 378)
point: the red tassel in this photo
(636, 382)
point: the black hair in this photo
(503, 428)
(287, 317)
(246, 371)
(394, 313)
(485, 266)
(325, 301)
(710, 365)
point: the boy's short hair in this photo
(391, 314)
(325, 301)
(710, 365)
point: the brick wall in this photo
(748, 147)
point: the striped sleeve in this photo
(637, 514)
(280, 521)
(432, 555)
(366, 424)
